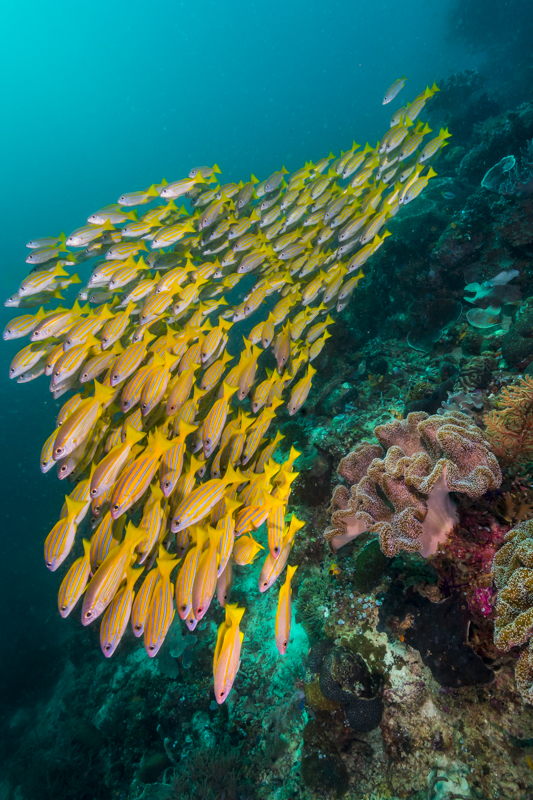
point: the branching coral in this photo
(510, 429)
(404, 496)
(513, 575)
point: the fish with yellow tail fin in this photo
(284, 613)
(108, 577)
(172, 461)
(200, 502)
(227, 658)
(187, 571)
(216, 420)
(117, 614)
(60, 540)
(434, 145)
(22, 326)
(79, 425)
(301, 391)
(154, 347)
(137, 477)
(205, 580)
(74, 582)
(109, 468)
(273, 567)
(161, 611)
(141, 604)
(152, 521)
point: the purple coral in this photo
(404, 496)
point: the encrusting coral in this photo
(403, 495)
(510, 429)
(513, 575)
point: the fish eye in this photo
(88, 614)
(107, 647)
(116, 507)
(64, 608)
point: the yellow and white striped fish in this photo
(172, 461)
(161, 611)
(109, 575)
(74, 582)
(273, 567)
(216, 419)
(200, 502)
(137, 477)
(79, 424)
(152, 521)
(284, 613)
(205, 579)
(117, 615)
(60, 540)
(187, 571)
(227, 659)
(141, 604)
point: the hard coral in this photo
(404, 496)
(513, 575)
(510, 429)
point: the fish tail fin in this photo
(234, 614)
(185, 428)
(290, 572)
(134, 536)
(233, 476)
(60, 272)
(104, 394)
(73, 506)
(133, 436)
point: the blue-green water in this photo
(98, 100)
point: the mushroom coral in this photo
(512, 570)
(400, 488)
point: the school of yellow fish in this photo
(153, 431)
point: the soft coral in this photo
(510, 429)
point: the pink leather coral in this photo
(400, 489)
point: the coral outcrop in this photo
(400, 489)
(513, 575)
(510, 428)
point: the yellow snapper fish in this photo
(284, 613)
(227, 659)
(78, 425)
(160, 368)
(142, 601)
(200, 502)
(135, 479)
(74, 583)
(161, 611)
(60, 540)
(109, 575)
(117, 615)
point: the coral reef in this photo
(439, 631)
(404, 496)
(512, 175)
(513, 576)
(510, 428)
